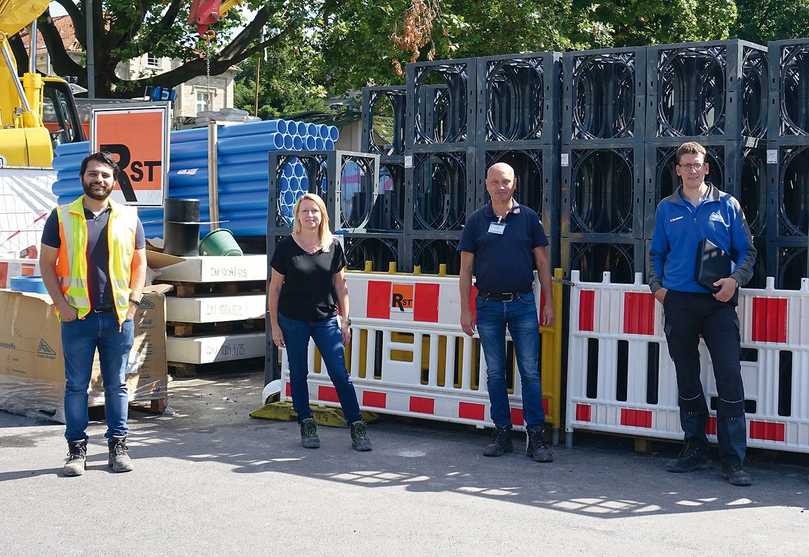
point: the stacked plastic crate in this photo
(788, 163)
(518, 123)
(602, 162)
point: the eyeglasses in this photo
(697, 166)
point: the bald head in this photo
(500, 168)
(501, 183)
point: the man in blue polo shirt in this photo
(699, 211)
(501, 245)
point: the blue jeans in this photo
(329, 340)
(521, 317)
(80, 338)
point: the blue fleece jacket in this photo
(679, 227)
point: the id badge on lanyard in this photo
(497, 227)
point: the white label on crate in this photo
(408, 161)
(565, 159)
(772, 156)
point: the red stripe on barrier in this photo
(639, 313)
(584, 413)
(288, 389)
(471, 410)
(710, 426)
(517, 416)
(327, 393)
(636, 418)
(769, 319)
(4, 274)
(377, 400)
(767, 431)
(587, 299)
(422, 405)
(378, 303)
(425, 303)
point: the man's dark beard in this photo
(89, 193)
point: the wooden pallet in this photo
(193, 289)
(222, 328)
(184, 370)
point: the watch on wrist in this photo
(134, 301)
(347, 322)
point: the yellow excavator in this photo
(36, 111)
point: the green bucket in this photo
(219, 242)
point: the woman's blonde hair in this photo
(323, 231)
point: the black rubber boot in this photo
(694, 457)
(309, 437)
(76, 458)
(119, 459)
(538, 449)
(359, 437)
(735, 474)
(501, 442)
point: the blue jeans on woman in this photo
(329, 341)
(80, 338)
(520, 315)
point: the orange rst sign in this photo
(137, 138)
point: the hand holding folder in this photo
(712, 264)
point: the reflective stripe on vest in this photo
(72, 257)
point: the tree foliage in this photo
(124, 29)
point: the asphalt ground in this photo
(209, 479)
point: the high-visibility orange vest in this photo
(71, 259)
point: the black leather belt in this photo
(500, 296)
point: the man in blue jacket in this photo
(698, 211)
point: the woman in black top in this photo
(307, 291)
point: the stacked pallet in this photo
(215, 314)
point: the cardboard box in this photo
(215, 309)
(32, 378)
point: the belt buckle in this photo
(508, 297)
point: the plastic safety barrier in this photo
(621, 378)
(408, 355)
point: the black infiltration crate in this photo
(787, 261)
(384, 110)
(347, 181)
(592, 259)
(428, 254)
(377, 248)
(602, 192)
(518, 98)
(788, 173)
(537, 173)
(604, 95)
(789, 89)
(717, 89)
(440, 191)
(441, 104)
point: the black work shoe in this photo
(359, 437)
(309, 438)
(538, 449)
(501, 442)
(76, 458)
(692, 458)
(735, 474)
(119, 459)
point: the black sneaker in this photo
(359, 437)
(692, 458)
(76, 458)
(309, 438)
(735, 474)
(501, 442)
(538, 449)
(119, 459)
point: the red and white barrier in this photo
(408, 354)
(621, 378)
